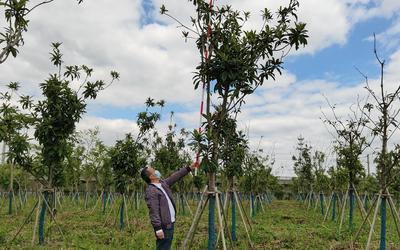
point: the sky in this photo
(153, 59)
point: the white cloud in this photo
(155, 61)
(111, 129)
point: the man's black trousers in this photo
(165, 244)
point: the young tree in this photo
(350, 143)
(73, 162)
(170, 153)
(54, 119)
(16, 13)
(92, 158)
(129, 155)
(104, 175)
(233, 153)
(303, 166)
(310, 170)
(257, 177)
(321, 183)
(126, 159)
(234, 63)
(12, 123)
(385, 109)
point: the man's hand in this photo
(194, 165)
(160, 234)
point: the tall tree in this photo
(129, 155)
(385, 109)
(303, 166)
(54, 119)
(16, 14)
(234, 63)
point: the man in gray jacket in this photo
(159, 199)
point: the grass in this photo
(282, 225)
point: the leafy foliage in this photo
(233, 149)
(303, 165)
(54, 119)
(16, 14)
(257, 177)
(126, 160)
(236, 61)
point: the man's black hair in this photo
(145, 175)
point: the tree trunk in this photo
(42, 217)
(11, 190)
(334, 207)
(351, 210)
(3, 153)
(383, 224)
(121, 214)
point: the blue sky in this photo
(154, 60)
(338, 61)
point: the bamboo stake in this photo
(19, 197)
(343, 210)
(328, 208)
(98, 199)
(361, 207)
(240, 203)
(225, 208)
(221, 226)
(199, 211)
(111, 209)
(58, 200)
(226, 200)
(187, 203)
(316, 203)
(395, 215)
(54, 219)
(36, 222)
(25, 222)
(244, 222)
(309, 200)
(126, 213)
(365, 220)
(262, 206)
(373, 221)
(363, 212)
(225, 221)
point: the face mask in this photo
(157, 174)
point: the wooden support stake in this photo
(328, 208)
(126, 213)
(187, 203)
(243, 219)
(240, 204)
(36, 222)
(373, 221)
(97, 201)
(220, 221)
(365, 220)
(54, 219)
(25, 222)
(200, 209)
(343, 210)
(395, 215)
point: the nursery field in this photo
(80, 130)
(280, 225)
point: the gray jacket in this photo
(157, 203)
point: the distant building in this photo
(285, 180)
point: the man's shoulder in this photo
(150, 189)
(151, 192)
(154, 187)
